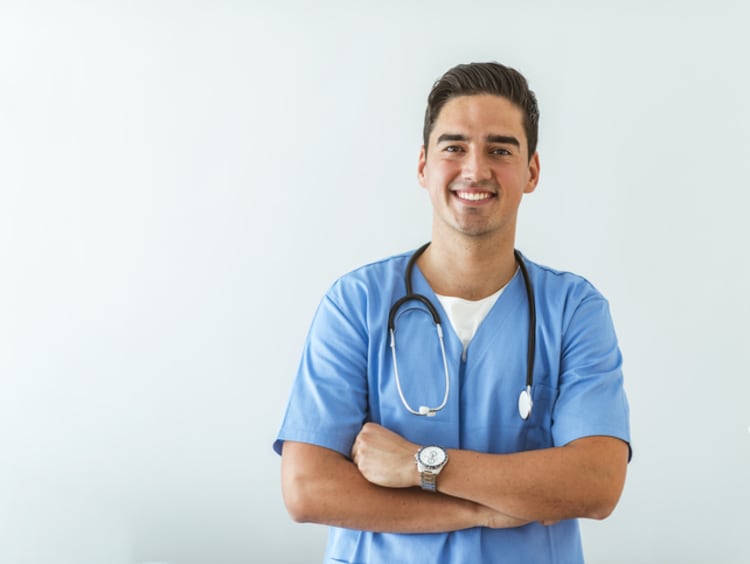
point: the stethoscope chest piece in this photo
(525, 403)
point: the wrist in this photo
(430, 462)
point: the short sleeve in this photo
(328, 401)
(591, 399)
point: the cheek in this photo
(513, 177)
(434, 183)
(440, 174)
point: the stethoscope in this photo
(524, 399)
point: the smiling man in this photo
(460, 403)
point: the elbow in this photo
(601, 510)
(604, 504)
(605, 483)
(298, 512)
(297, 500)
(302, 487)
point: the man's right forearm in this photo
(321, 486)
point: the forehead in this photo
(480, 114)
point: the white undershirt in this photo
(467, 315)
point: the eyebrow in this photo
(504, 139)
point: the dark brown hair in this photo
(484, 78)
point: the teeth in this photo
(474, 196)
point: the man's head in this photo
(484, 78)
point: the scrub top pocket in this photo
(537, 429)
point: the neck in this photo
(468, 269)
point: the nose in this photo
(476, 167)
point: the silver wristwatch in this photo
(430, 461)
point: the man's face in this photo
(476, 167)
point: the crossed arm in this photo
(378, 489)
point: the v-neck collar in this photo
(511, 298)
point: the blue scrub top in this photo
(346, 378)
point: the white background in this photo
(181, 181)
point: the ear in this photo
(533, 174)
(420, 166)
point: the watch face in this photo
(432, 456)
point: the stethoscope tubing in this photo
(525, 402)
(531, 341)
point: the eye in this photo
(452, 149)
(500, 151)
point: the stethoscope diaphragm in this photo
(525, 403)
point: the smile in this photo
(474, 196)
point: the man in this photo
(503, 476)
